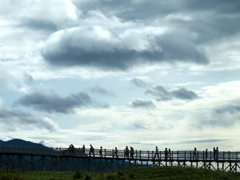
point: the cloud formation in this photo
(139, 82)
(109, 49)
(139, 103)
(163, 94)
(54, 103)
(214, 22)
(232, 107)
(38, 15)
(15, 119)
(102, 91)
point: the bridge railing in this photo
(138, 154)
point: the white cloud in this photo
(49, 143)
(179, 17)
(225, 54)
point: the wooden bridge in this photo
(64, 159)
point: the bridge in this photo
(65, 159)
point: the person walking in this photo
(126, 152)
(91, 151)
(131, 152)
(100, 151)
(156, 153)
(217, 153)
(169, 153)
(72, 148)
(115, 152)
(166, 154)
(83, 150)
(195, 153)
(206, 154)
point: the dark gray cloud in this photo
(150, 10)
(102, 91)
(210, 20)
(139, 82)
(209, 140)
(190, 24)
(164, 94)
(90, 48)
(54, 103)
(15, 119)
(232, 108)
(160, 92)
(183, 93)
(139, 103)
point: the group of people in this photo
(215, 153)
(91, 151)
(71, 148)
(167, 153)
(127, 151)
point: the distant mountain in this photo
(20, 142)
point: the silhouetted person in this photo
(115, 152)
(83, 150)
(217, 153)
(195, 153)
(91, 151)
(156, 153)
(214, 153)
(100, 151)
(169, 153)
(72, 148)
(206, 153)
(131, 152)
(127, 152)
(166, 153)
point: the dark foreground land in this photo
(133, 173)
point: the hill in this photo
(20, 142)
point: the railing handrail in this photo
(178, 155)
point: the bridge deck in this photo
(221, 156)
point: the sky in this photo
(115, 73)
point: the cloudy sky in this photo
(115, 73)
